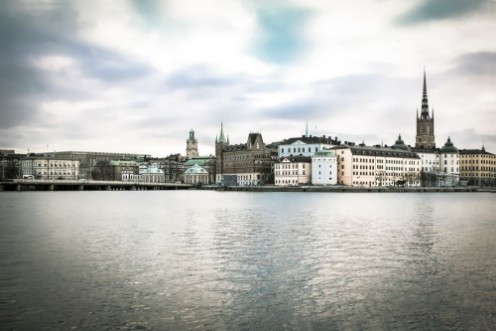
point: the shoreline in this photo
(345, 189)
(33, 185)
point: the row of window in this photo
(476, 168)
(289, 173)
(299, 150)
(472, 161)
(289, 165)
(373, 161)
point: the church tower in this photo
(425, 124)
(191, 145)
(220, 142)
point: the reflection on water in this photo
(247, 261)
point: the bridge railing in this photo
(94, 182)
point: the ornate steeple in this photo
(425, 138)
(425, 102)
(191, 145)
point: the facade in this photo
(324, 168)
(369, 166)
(207, 163)
(440, 167)
(251, 163)
(429, 160)
(191, 145)
(477, 167)
(425, 138)
(89, 160)
(37, 167)
(152, 174)
(126, 171)
(293, 171)
(304, 145)
(196, 175)
(449, 158)
(220, 143)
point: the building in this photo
(49, 167)
(196, 175)
(89, 160)
(152, 174)
(123, 170)
(304, 145)
(293, 171)
(207, 163)
(173, 167)
(449, 158)
(477, 167)
(425, 138)
(191, 145)
(360, 165)
(324, 168)
(443, 167)
(244, 164)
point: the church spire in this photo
(222, 138)
(425, 102)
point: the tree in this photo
(102, 170)
(9, 168)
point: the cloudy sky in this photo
(136, 76)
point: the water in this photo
(201, 260)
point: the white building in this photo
(371, 166)
(292, 171)
(196, 175)
(324, 168)
(49, 168)
(152, 174)
(304, 146)
(429, 160)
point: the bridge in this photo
(86, 185)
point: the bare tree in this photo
(102, 170)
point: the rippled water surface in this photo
(201, 260)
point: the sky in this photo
(137, 76)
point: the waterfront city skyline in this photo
(137, 76)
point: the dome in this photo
(400, 144)
(449, 147)
(152, 170)
(196, 170)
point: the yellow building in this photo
(477, 167)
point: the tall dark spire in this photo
(425, 102)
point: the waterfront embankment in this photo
(347, 189)
(87, 185)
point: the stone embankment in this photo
(347, 189)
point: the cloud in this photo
(42, 59)
(475, 139)
(281, 37)
(433, 10)
(150, 10)
(478, 64)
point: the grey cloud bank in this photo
(136, 76)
